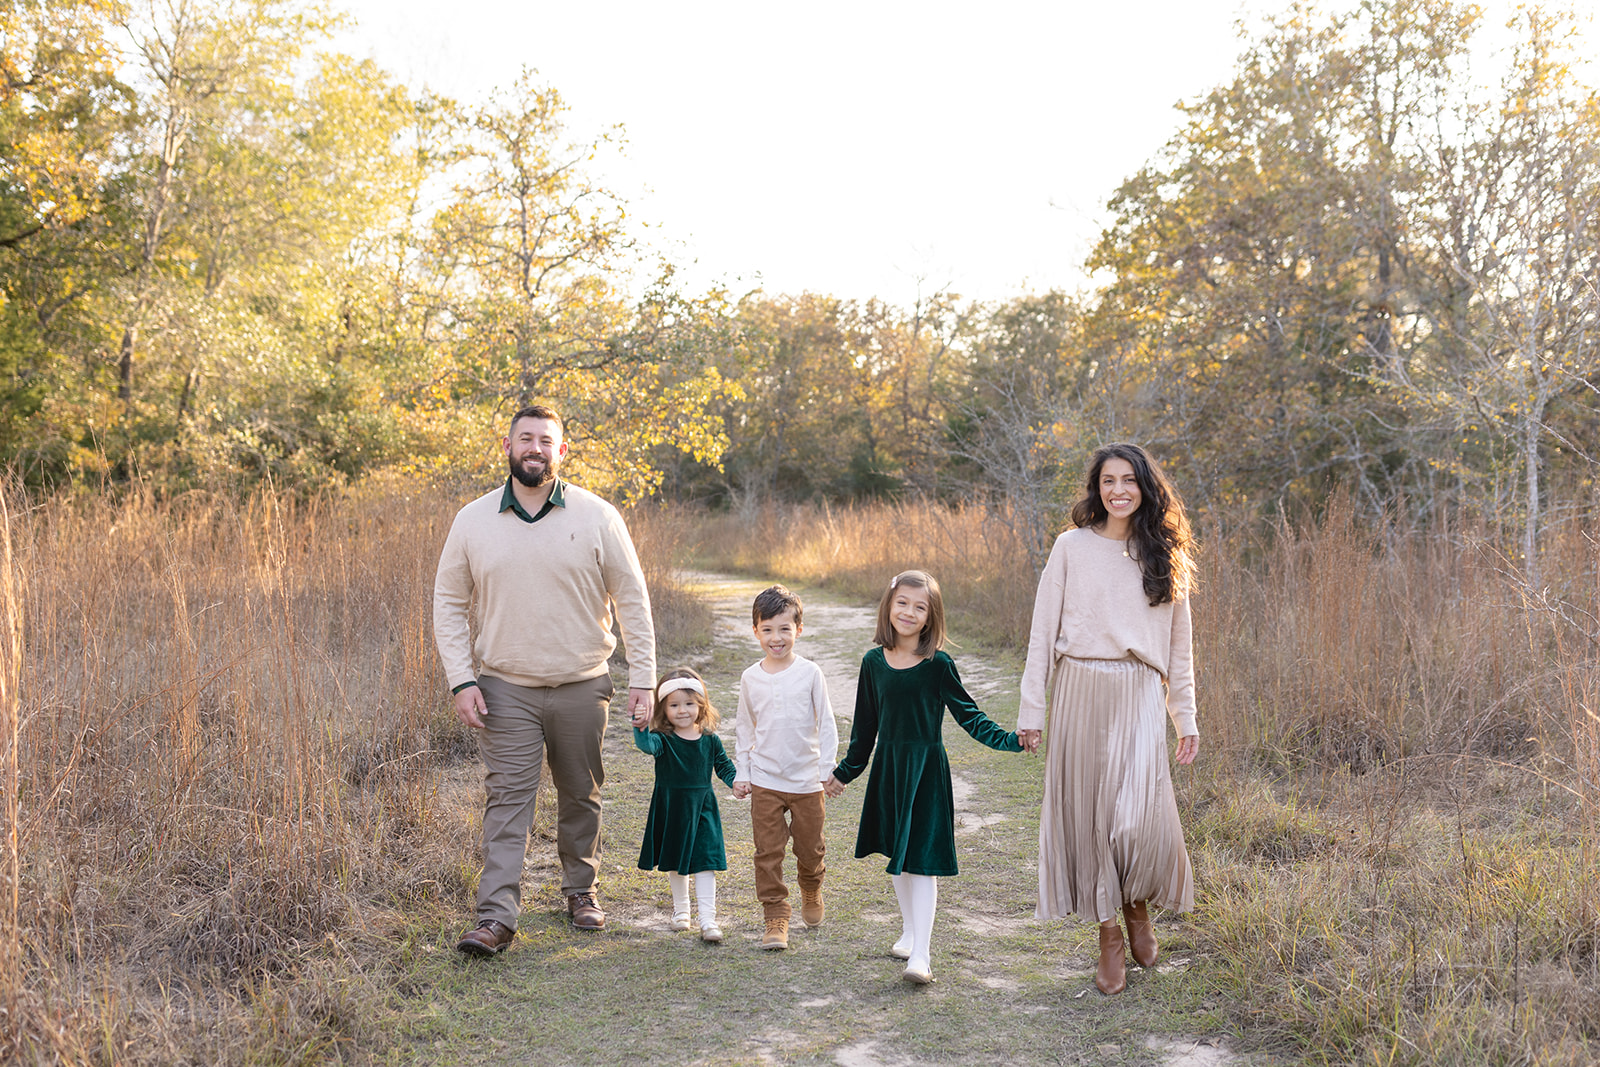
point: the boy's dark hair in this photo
(772, 602)
(539, 411)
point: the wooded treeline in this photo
(1368, 262)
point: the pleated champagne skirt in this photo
(1109, 831)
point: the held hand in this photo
(470, 705)
(741, 790)
(833, 787)
(1030, 739)
(1188, 748)
(639, 707)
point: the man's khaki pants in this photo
(568, 722)
(774, 817)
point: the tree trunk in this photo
(154, 229)
(1530, 529)
(130, 339)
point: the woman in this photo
(1110, 626)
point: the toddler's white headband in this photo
(672, 685)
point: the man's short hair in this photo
(772, 602)
(539, 411)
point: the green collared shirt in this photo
(558, 499)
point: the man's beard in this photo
(528, 478)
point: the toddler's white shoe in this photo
(918, 973)
(711, 932)
(901, 949)
(680, 922)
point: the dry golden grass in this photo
(229, 715)
(226, 737)
(975, 553)
(233, 785)
(1395, 818)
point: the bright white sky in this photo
(860, 149)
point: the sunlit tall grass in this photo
(234, 790)
(1396, 812)
(976, 553)
(228, 766)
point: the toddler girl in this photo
(683, 833)
(908, 813)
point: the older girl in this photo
(1111, 628)
(908, 813)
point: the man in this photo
(546, 562)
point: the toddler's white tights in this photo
(705, 890)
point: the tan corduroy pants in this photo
(775, 817)
(568, 722)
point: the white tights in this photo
(919, 898)
(705, 889)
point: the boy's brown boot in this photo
(1112, 975)
(811, 909)
(777, 936)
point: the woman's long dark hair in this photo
(1160, 540)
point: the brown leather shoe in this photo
(585, 913)
(489, 938)
(1111, 977)
(1141, 935)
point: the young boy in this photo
(786, 747)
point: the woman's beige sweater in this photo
(1091, 605)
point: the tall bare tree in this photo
(1514, 228)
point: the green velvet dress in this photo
(683, 832)
(909, 811)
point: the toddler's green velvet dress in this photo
(683, 832)
(909, 811)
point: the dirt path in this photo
(1009, 990)
(835, 636)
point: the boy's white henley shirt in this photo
(786, 738)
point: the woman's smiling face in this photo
(1119, 489)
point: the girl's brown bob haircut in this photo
(707, 719)
(932, 638)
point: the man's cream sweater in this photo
(542, 594)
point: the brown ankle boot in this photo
(811, 907)
(1112, 976)
(1141, 935)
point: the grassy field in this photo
(240, 821)
(1008, 990)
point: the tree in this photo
(1268, 264)
(1037, 402)
(62, 110)
(917, 362)
(1515, 309)
(536, 269)
(202, 59)
(798, 429)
